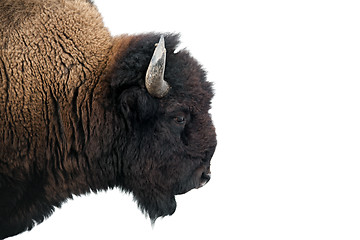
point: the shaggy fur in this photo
(75, 115)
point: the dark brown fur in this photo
(75, 115)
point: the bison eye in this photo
(179, 120)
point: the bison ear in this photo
(136, 106)
(154, 80)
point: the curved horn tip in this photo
(162, 42)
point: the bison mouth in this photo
(198, 179)
(157, 202)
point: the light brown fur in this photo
(46, 49)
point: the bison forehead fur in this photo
(76, 116)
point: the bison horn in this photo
(154, 80)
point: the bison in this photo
(83, 111)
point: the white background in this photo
(287, 113)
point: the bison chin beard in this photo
(156, 202)
(155, 205)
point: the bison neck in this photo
(88, 162)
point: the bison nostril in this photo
(205, 178)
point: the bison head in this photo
(168, 138)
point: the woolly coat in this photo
(49, 60)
